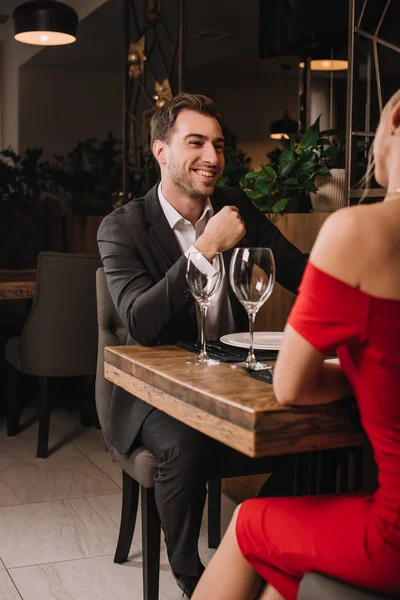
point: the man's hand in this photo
(222, 232)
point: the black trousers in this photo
(187, 459)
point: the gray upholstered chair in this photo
(315, 586)
(139, 468)
(59, 338)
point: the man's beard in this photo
(187, 185)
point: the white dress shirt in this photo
(219, 318)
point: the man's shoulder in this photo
(132, 210)
(129, 215)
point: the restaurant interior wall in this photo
(248, 101)
(68, 106)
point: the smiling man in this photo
(144, 247)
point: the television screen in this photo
(290, 26)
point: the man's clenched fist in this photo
(222, 232)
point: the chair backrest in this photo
(111, 332)
(60, 336)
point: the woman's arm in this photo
(300, 375)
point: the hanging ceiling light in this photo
(327, 64)
(281, 128)
(45, 23)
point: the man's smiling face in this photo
(194, 154)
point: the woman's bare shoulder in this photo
(342, 243)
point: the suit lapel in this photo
(159, 229)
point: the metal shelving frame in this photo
(146, 18)
(355, 34)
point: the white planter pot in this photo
(331, 192)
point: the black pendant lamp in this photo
(283, 127)
(45, 23)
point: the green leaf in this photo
(242, 182)
(293, 138)
(254, 175)
(222, 181)
(307, 168)
(291, 181)
(329, 153)
(310, 186)
(265, 188)
(287, 168)
(327, 132)
(272, 185)
(286, 156)
(253, 195)
(324, 172)
(280, 206)
(269, 171)
(260, 183)
(315, 125)
(309, 139)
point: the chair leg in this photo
(12, 402)
(214, 512)
(358, 464)
(344, 475)
(151, 531)
(88, 410)
(44, 418)
(130, 497)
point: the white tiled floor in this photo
(59, 519)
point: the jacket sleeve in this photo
(147, 308)
(289, 261)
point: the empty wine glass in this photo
(252, 277)
(204, 276)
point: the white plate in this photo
(263, 340)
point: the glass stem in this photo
(203, 312)
(251, 357)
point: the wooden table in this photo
(17, 284)
(229, 405)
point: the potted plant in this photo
(89, 180)
(25, 186)
(284, 184)
(331, 193)
(237, 164)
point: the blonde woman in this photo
(349, 302)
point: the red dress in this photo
(355, 537)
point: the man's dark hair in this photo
(164, 118)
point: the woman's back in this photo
(361, 256)
(371, 362)
(364, 248)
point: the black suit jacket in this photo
(146, 275)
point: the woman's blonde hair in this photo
(366, 179)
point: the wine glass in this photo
(204, 276)
(252, 277)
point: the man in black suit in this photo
(144, 247)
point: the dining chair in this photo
(139, 468)
(315, 586)
(59, 338)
